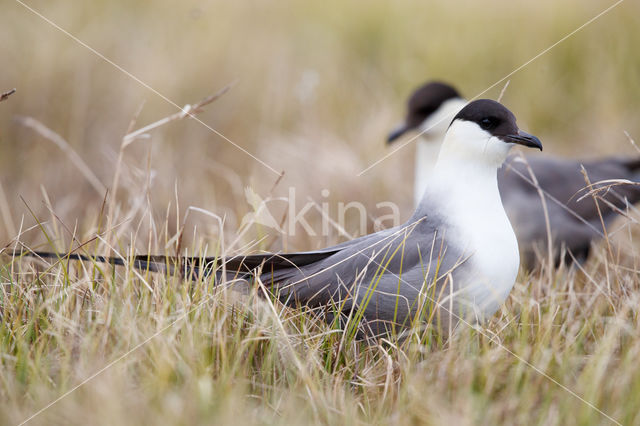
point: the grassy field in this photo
(315, 88)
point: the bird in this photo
(456, 259)
(574, 221)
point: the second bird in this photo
(574, 222)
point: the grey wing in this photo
(272, 263)
(385, 278)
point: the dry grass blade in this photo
(503, 91)
(5, 212)
(547, 222)
(5, 95)
(61, 143)
(631, 140)
(187, 111)
(597, 204)
(597, 188)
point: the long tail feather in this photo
(194, 267)
(142, 262)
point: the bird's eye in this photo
(489, 123)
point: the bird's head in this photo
(429, 111)
(484, 130)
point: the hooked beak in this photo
(396, 133)
(524, 139)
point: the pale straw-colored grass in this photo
(319, 85)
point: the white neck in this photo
(465, 192)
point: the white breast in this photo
(492, 248)
(478, 225)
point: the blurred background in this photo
(317, 87)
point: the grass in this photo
(318, 86)
(180, 352)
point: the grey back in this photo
(574, 220)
